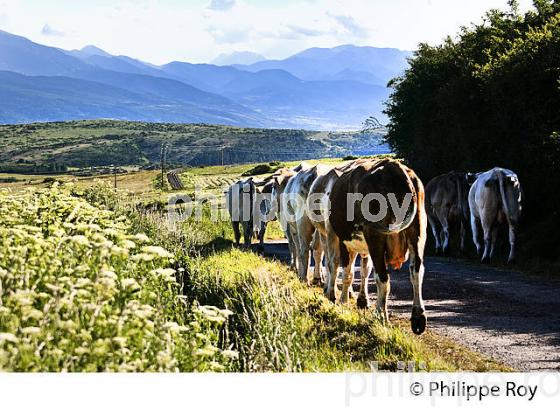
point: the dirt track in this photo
(501, 313)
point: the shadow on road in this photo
(499, 312)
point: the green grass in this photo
(279, 324)
(42, 147)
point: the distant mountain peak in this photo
(238, 57)
(90, 50)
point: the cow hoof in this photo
(485, 260)
(330, 294)
(445, 252)
(362, 302)
(437, 251)
(511, 261)
(418, 323)
(316, 282)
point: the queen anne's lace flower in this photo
(73, 298)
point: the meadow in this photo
(95, 279)
(57, 147)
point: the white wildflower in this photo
(230, 354)
(130, 285)
(80, 240)
(31, 330)
(158, 251)
(8, 337)
(142, 238)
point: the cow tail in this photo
(503, 195)
(462, 210)
(407, 221)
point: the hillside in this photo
(318, 89)
(35, 147)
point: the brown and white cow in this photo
(280, 180)
(495, 198)
(318, 210)
(447, 204)
(377, 208)
(293, 209)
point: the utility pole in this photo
(222, 149)
(115, 176)
(162, 162)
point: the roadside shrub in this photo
(79, 291)
(8, 180)
(263, 169)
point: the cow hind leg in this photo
(476, 235)
(443, 220)
(418, 320)
(304, 238)
(376, 248)
(262, 233)
(333, 261)
(487, 231)
(435, 231)
(511, 258)
(365, 269)
(494, 239)
(463, 234)
(347, 259)
(236, 232)
(292, 249)
(317, 248)
(247, 234)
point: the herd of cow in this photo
(377, 209)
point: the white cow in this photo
(294, 214)
(262, 209)
(239, 199)
(495, 198)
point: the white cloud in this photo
(161, 31)
(351, 26)
(47, 30)
(229, 35)
(221, 4)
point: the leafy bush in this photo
(261, 169)
(489, 98)
(80, 292)
(8, 180)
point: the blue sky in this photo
(159, 31)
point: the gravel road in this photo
(502, 313)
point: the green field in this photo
(57, 146)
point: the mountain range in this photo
(319, 88)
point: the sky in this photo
(160, 31)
